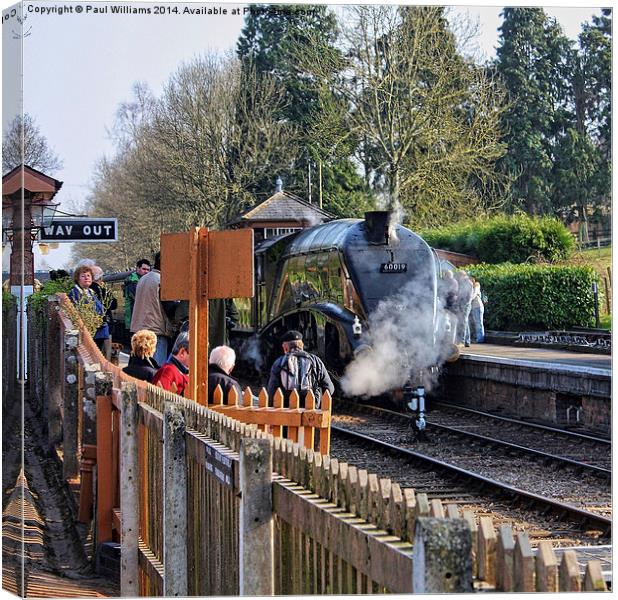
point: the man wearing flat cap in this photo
(298, 370)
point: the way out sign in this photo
(80, 230)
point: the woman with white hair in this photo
(107, 300)
(220, 364)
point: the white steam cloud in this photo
(400, 343)
(311, 220)
(250, 352)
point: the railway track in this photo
(579, 447)
(459, 468)
(549, 446)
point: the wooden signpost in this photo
(199, 265)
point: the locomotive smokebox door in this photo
(377, 224)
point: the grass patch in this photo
(598, 258)
(606, 321)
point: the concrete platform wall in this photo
(552, 396)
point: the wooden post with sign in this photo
(199, 265)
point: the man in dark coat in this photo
(298, 370)
(220, 364)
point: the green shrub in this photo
(536, 297)
(39, 299)
(516, 239)
(8, 300)
(559, 243)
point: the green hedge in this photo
(536, 297)
(515, 239)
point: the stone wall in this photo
(528, 392)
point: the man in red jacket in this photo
(174, 374)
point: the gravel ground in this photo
(451, 490)
(583, 490)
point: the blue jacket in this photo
(75, 295)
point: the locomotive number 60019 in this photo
(393, 267)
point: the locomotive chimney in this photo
(377, 224)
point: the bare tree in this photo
(188, 158)
(427, 119)
(24, 143)
(215, 130)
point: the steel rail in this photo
(582, 516)
(556, 430)
(601, 471)
(523, 449)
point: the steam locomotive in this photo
(328, 280)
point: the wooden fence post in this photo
(546, 568)
(70, 467)
(568, 573)
(129, 491)
(88, 443)
(256, 519)
(175, 580)
(105, 485)
(523, 564)
(468, 517)
(593, 577)
(441, 556)
(608, 299)
(504, 559)
(54, 372)
(487, 551)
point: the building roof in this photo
(284, 206)
(31, 179)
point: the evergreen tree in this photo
(271, 42)
(559, 121)
(532, 62)
(595, 95)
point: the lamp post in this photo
(27, 206)
(21, 223)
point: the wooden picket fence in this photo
(205, 504)
(504, 560)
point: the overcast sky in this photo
(78, 67)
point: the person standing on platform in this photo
(109, 302)
(129, 287)
(220, 365)
(477, 314)
(463, 307)
(173, 376)
(298, 370)
(448, 290)
(142, 365)
(150, 313)
(82, 294)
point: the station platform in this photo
(547, 358)
(550, 386)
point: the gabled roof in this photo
(284, 206)
(33, 181)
